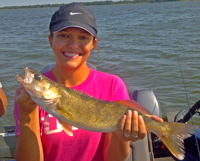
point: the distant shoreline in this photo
(90, 4)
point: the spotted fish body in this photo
(74, 108)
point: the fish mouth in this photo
(25, 79)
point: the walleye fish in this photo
(74, 108)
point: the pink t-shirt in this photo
(84, 145)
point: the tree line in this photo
(87, 4)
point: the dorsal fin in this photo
(134, 105)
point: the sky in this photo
(4, 3)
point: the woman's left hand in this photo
(132, 126)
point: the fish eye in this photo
(37, 77)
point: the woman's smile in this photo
(72, 55)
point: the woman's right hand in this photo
(24, 101)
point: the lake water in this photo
(139, 42)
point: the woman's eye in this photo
(83, 38)
(63, 35)
(37, 77)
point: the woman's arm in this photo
(3, 101)
(29, 146)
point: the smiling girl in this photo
(73, 35)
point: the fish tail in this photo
(173, 137)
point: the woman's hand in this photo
(132, 126)
(24, 101)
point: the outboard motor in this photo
(147, 98)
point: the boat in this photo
(150, 148)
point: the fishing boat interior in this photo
(150, 148)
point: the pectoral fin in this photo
(134, 105)
(67, 128)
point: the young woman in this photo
(3, 101)
(72, 37)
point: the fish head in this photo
(37, 85)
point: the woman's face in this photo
(72, 46)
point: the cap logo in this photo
(75, 13)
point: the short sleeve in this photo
(119, 90)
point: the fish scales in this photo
(106, 119)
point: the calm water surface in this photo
(141, 43)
